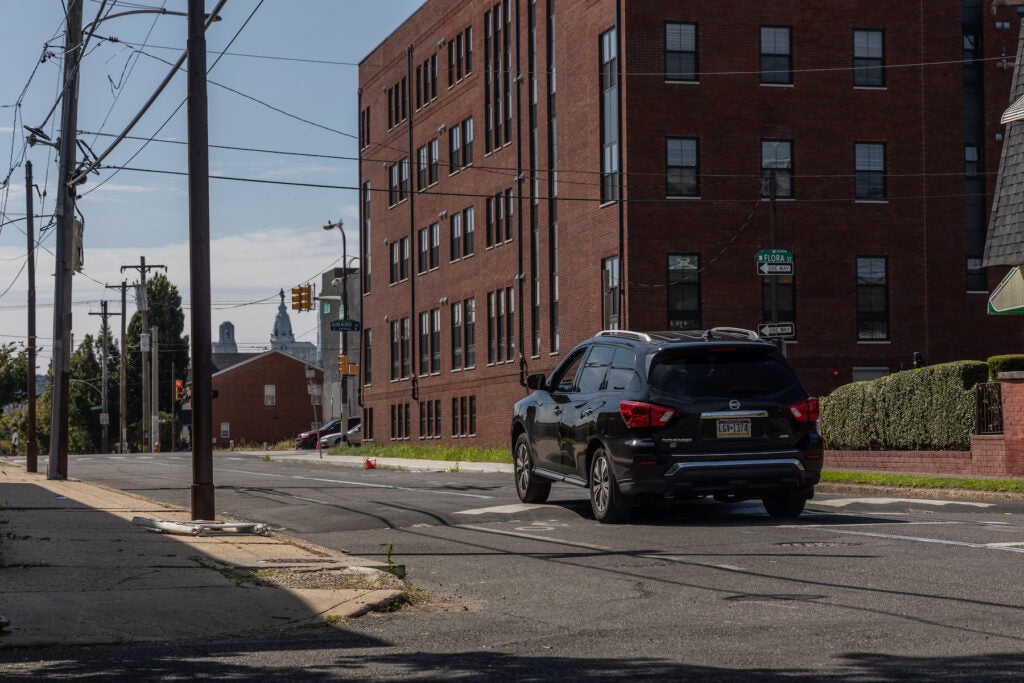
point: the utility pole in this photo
(64, 215)
(31, 447)
(154, 418)
(123, 395)
(143, 306)
(199, 270)
(104, 336)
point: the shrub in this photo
(1008, 363)
(928, 409)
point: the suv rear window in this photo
(722, 372)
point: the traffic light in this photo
(302, 298)
(179, 390)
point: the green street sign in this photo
(345, 325)
(774, 262)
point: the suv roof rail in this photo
(735, 331)
(642, 336)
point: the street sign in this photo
(776, 330)
(104, 418)
(345, 325)
(774, 262)
(1008, 297)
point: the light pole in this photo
(344, 314)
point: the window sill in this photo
(670, 81)
(871, 342)
(870, 201)
(680, 197)
(870, 87)
(777, 85)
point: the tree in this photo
(83, 395)
(13, 374)
(165, 313)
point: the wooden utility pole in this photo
(31, 447)
(123, 393)
(64, 215)
(199, 258)
(143, 306)
(104, 414)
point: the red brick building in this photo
(533, 171)
(263, 399)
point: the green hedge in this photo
(1008, 363)
(928, 409)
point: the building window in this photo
(434, 156)
(609, 69)
(434, 254)
(396, 350)
(469, 230)
(225, 430)
(680, 52)
(367, 426)
(872, 298)
(454, 148)
(470, 333)
(868, 58)
(403, 264)
(977, 280)
(424, 244)
(392, 185)
(421, 168)
(777, 160)
(776, 55)
(403, 181)
(405, 347)
(682, 170)
(367, 358)
(500, 215)
(787, 298)
(397, 96)
(395, 249)
(455, 236)
(870, 181)
(270, 394)
(457, 325)
(424, 343)
(400, 421)
(467, 142)
(972, 161)
(610, 293)
(364, 128)
(501, 325)
(366, 237)
(684, 311)
(460, 56)
(464, 416)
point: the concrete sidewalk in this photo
(75, 569)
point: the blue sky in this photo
(286, 83)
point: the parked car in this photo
(349, 438)
(309, 438)
(638, 417)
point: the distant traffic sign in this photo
(345, 325)
(774, 262)
(776, 330)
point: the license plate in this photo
(736, 428)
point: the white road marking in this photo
(345, 482)
(534, 537)
(843, 502)
(1009, 544)
(500, 509)
(940, 541)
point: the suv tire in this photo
(605, 499)
(787, 505)
(531, 489)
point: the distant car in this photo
(351, 438)
(309, 439)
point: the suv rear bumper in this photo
(749, 478)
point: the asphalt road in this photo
(858, 588)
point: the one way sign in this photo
(775, 268)
(776, 330)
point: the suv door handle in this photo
(587, 413)
(557, 411)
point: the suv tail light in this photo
(637, 414)
(805, 411)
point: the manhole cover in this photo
(816, 544)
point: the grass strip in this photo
(433, 452)
(914, 481)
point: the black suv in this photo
(637, 416)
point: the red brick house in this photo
(533, 171)
(263, 398)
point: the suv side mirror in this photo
(536, 381)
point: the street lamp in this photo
(344, 312)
